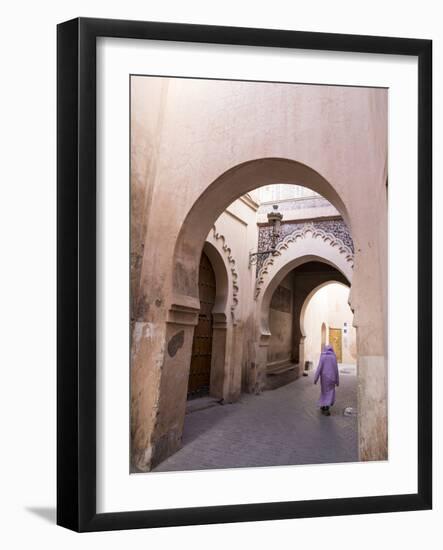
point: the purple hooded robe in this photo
(327, 371)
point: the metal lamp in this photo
(274, 218)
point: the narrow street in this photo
(278, 427)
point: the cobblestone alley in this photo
(278, 427)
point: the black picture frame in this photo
(76, 267)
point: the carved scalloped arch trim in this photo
(228, 253)
(292, 238)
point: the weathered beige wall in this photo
(191, 140)
(146, 126)
(329, 305)
(234, 234)
(280, 323)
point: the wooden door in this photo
(335, 340)
(200, 372)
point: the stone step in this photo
(281, 375)
(281, 368)
(201, 403)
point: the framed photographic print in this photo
(244, 274)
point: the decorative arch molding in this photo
(288, 248)
(219, 242)
(222, 321)
(299, 248)
(309, 247)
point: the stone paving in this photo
(279, 427)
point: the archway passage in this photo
(308, 278)
(228, 187)
(201, 357)
(327, 319)
(286, 357)
(196, 180)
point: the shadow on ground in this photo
(276, 428)
(48, 514)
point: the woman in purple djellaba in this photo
(327, 371)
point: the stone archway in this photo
(218, 195)
(224, 314)
(181, 290)
(304, 245)
(339, 131)
(229, 186)
(306, 301)
(312, 242)
(181, 304)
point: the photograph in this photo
(223, 223)
(258, 274)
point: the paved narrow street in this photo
(278, 427)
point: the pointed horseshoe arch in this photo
(290, 247)
(300, 247)
(304, 246)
